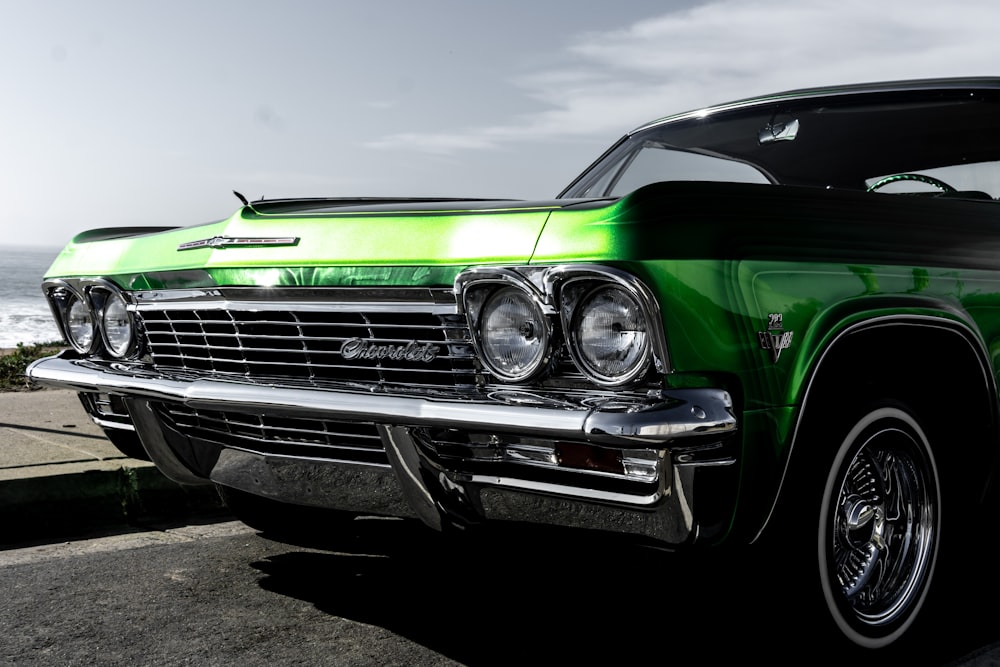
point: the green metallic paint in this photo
(722, 257)
(761, 465)
(332, 240)
(292, 276)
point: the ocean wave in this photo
(25, 317)
(27, 326)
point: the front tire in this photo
(879, 527)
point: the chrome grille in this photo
(302, 340)
(280, 436)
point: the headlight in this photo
(610, 336)
(117, 325)
(80, 324)
(514, 334)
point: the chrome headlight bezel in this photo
(117, 325)
(84, 303)
(561, 291)
(608, 333)
(482, 294)
(79, 323)
(514, 334)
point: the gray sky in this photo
(124, 113)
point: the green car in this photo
(762, 322)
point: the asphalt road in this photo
(388, 592)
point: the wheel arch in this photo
(831, 327)
(879, 356)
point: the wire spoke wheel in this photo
(879, 527)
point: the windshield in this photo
(842, 141)
(654, 162)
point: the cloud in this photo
(729, 49)
(442, 143)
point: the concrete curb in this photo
(92, 498)
(61, 477)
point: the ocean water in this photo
(24, 314)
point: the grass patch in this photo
(13, 362)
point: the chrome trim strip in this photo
(104, 423)
(361, 326)
(497, 275)
(281, 297)
(222, 242)
(310, 459)
(431, 372)
(564, 491)
(278, 305)
(680, 414)
(407, 463)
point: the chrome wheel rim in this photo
(881, 519)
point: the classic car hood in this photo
(353, 234)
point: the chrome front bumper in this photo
(687, 434)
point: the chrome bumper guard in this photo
(687, 433)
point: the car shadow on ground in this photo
(505, 597)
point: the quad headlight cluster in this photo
(521, 318)
(94, 315)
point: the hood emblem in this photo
(775, 339)
(239, 242)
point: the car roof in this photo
(871, 89)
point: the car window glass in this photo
(980, 177)
(655, 163)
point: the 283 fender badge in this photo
(775, 339)
(239, 242)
